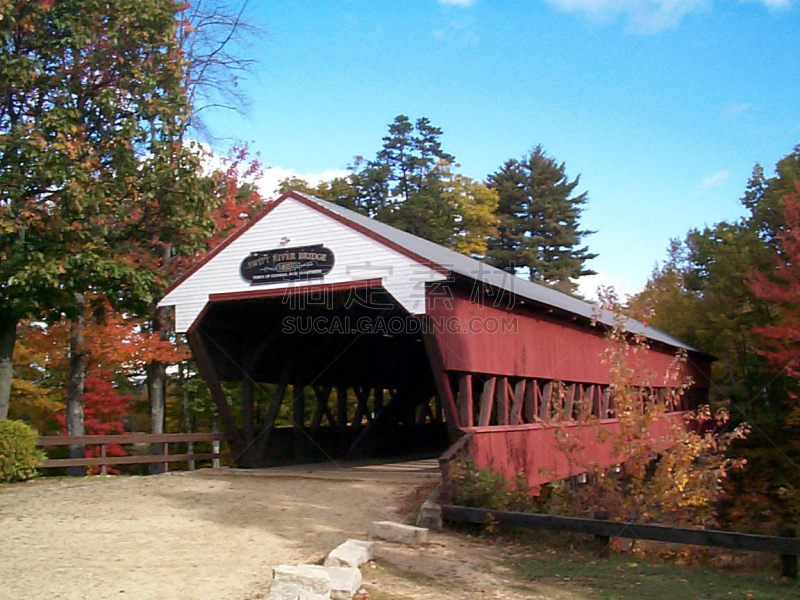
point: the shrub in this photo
(19, 455)
(485, 488)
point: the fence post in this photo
(788, 561)
(215, 443)
(603, 541)
(165, 465)
(103, 467)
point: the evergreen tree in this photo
(411, 185)
(538, 226)
(764, 197)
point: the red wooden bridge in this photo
(374, 342)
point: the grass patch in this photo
(575, 574)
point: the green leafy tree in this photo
(538, 229)
(92, 93)
(702, 295)
(462, 217)
(729, 289)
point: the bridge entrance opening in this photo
(307, 375)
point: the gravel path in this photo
(206, 534)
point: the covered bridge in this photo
(376, 342)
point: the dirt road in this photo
(217, 534)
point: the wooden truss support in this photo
(424, 412)
(323, 394)
(487, 402)
(298, 405)
(529, 404)
(275, 406)
(573, 395)
(501, 400)
(206, 368)
(505, 400)
(299, 417)
(362, 409)
(515, 418)
(465, 407)
(443, 388)
(545, 401)
(247, 390)
(604, 398)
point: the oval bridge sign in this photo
(287, 264)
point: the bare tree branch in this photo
(215, 38)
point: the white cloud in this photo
(773, 4)
(734, 111)
(642, 16)
(461, 3)
(271, 178)
(713, 181)
(646, 16)
(587, 286)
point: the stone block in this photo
(303, 582)
(397, 532)
(348, 554)
(345, 582)
(370, 547)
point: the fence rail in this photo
(787, 546)
(164, 439)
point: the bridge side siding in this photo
(516, 365)
(540, 452)
(535, 344)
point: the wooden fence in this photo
(103, 441)
(788, 546)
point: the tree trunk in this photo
(157, 375)
(156, 392)
(8, 337)
(78, 360)
(187, 415)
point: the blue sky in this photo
(661, 106)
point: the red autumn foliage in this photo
(781, 339)
(127, 343)
(104, 409)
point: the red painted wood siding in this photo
(535, 345)
(536, 450)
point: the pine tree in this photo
(538, 216)
(411, 185)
